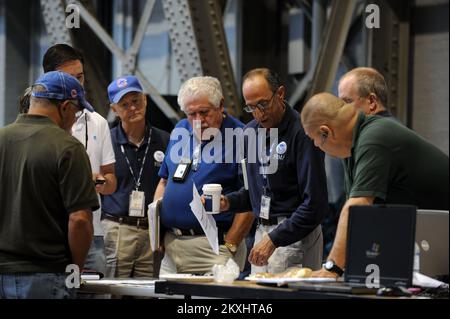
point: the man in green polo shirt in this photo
(384, 162)
(47, 193)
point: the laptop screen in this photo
(380, 244)
(432, 240)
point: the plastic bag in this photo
(227, 273)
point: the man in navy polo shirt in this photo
(290, 202)
(139, 150)
(187, 249)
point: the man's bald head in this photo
(329, 121)
(322, 108)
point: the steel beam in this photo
(388, 52)
(182, 38)
(214, 55)
(332, 46)
(318, 21)
(124, 57)
(139, 36)
(53, 12)
(200, 46)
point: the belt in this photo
(139, 222)
(187, 232)
(222, 229)
(269, 222)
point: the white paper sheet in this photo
(187, 277)
(153, 223)
(244, 172)
(121, 282)
(423, 281)
(206, 220)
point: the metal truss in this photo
(334, 38)
(54, 15)
(199, 44)
(182, 37)
(388, 52)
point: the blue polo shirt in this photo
(298, 189)
(117, 203)
(175, 211)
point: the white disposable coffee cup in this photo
(211, 193)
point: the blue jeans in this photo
(96, 258)
(35, 286)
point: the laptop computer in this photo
(378, 237)
(433, 240)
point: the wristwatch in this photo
(231, 247)
(332, 267)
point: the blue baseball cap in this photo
(121, 86)
(61, 86)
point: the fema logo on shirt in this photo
(122, 82)
(159, 157)
(281, 150)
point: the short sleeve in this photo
(108, 156)
(371, 172)
(75, 180)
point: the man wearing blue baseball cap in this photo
(47, 194)
(139, 149)
(64, 92)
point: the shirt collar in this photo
(122, 136)
(384, 113)
(288, 117)
(34, 119)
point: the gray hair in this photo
(369, 80)
(24, 100)
(42, 102)
(201, 85)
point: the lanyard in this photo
(196, 157)
(196, 153)
(137, 182)
(85, 130)
(264, 164)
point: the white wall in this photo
(430, 97)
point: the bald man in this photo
(384, 162)
(366, 89)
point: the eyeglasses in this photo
(79, 108)
(261, 105)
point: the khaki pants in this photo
(193, 255)
(128, 252)
(304, 253)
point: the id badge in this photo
(182, 170)
(137, 200)
(265, 207)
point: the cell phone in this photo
(181, 171)
(100, 181)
